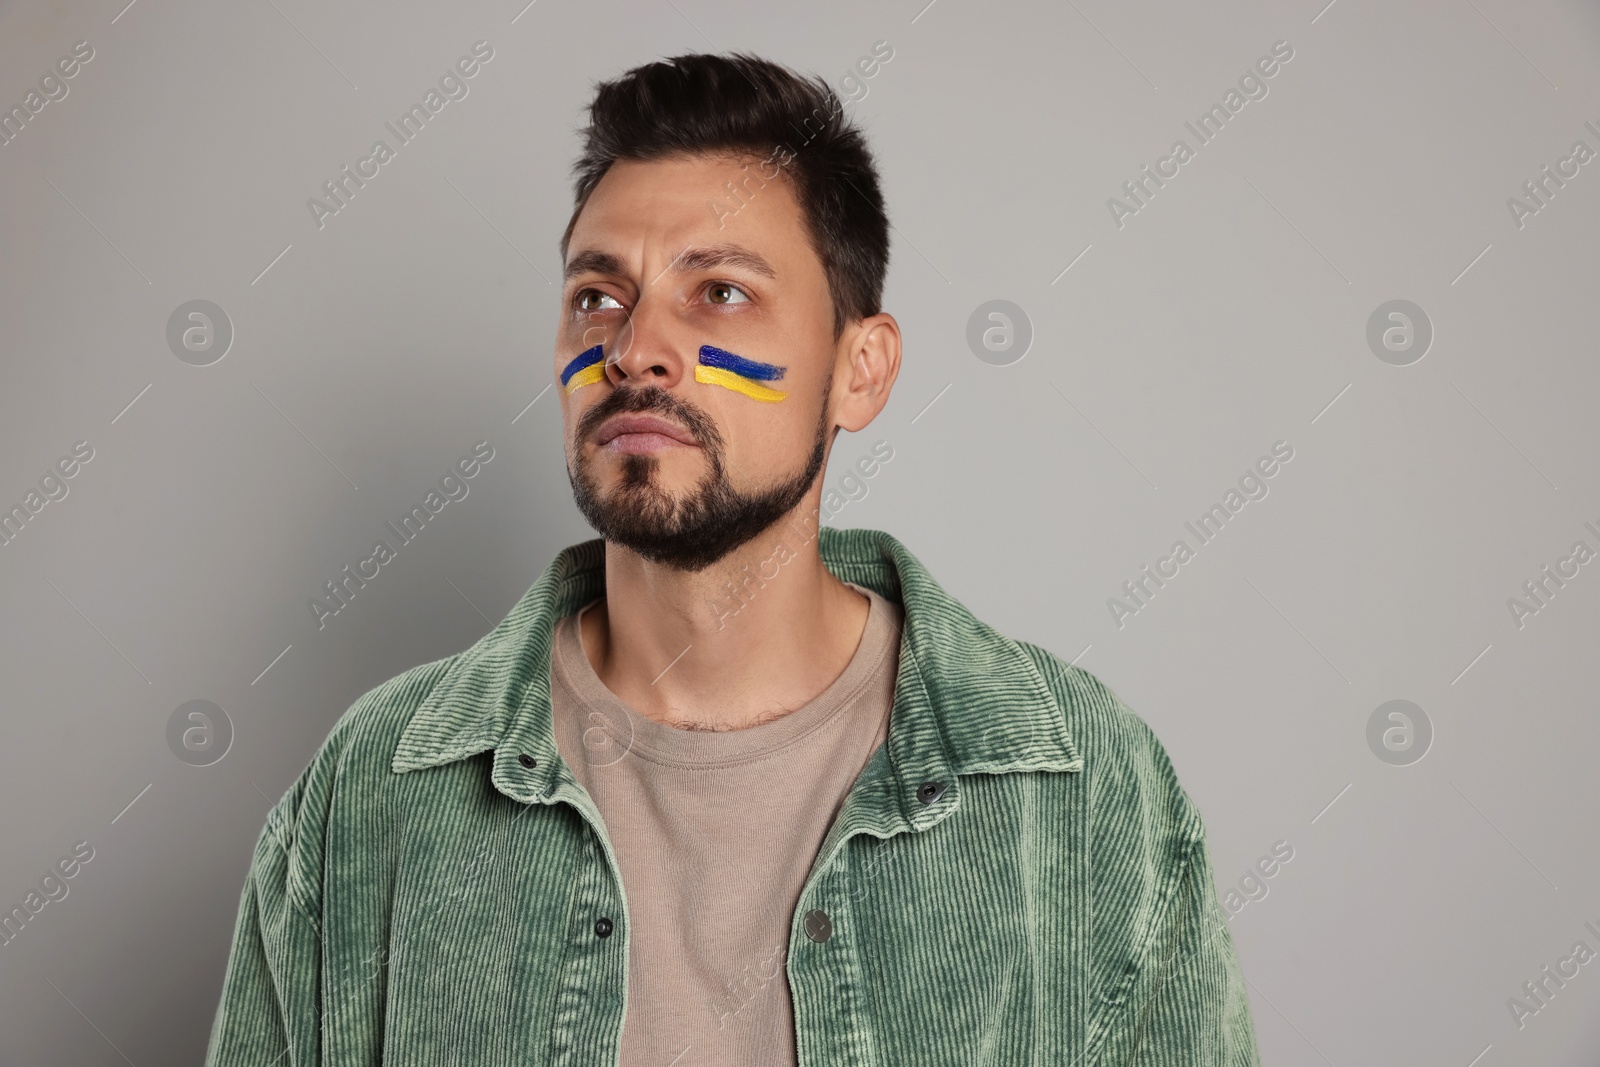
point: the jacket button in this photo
(527, 761)
(602, 927)
(818, 926)
(928, 792)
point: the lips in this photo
(631, 425)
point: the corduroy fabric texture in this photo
(1017, 876)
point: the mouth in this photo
(634, 434)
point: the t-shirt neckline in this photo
(645, 737)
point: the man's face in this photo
(671, 276)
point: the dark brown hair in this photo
(739, 106)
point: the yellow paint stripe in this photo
(739, 384)
(587, 376)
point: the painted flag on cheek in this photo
(717, 367)
(586, 369)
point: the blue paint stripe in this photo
(745, 368)
(587, 358)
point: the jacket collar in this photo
(967, 699)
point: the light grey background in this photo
(1228, 314)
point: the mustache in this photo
(657, 401)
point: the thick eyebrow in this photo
(693, 259)
(591, 261)
(690, 259)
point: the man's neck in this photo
(756, 635)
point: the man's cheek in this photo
(751, 378)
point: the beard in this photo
(690, 532)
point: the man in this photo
(728, 786)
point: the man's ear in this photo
(870, 357)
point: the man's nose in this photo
(649, 347)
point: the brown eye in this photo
(723, 293)
(585, 295)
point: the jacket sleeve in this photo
(1197, 1013)
(268, 1015)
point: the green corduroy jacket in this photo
(1016, 877)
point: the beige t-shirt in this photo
(715, 833)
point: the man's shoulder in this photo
(1092, 709)
(362, 740)
(1129, 772)
(371, 726)
(1126, 767)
